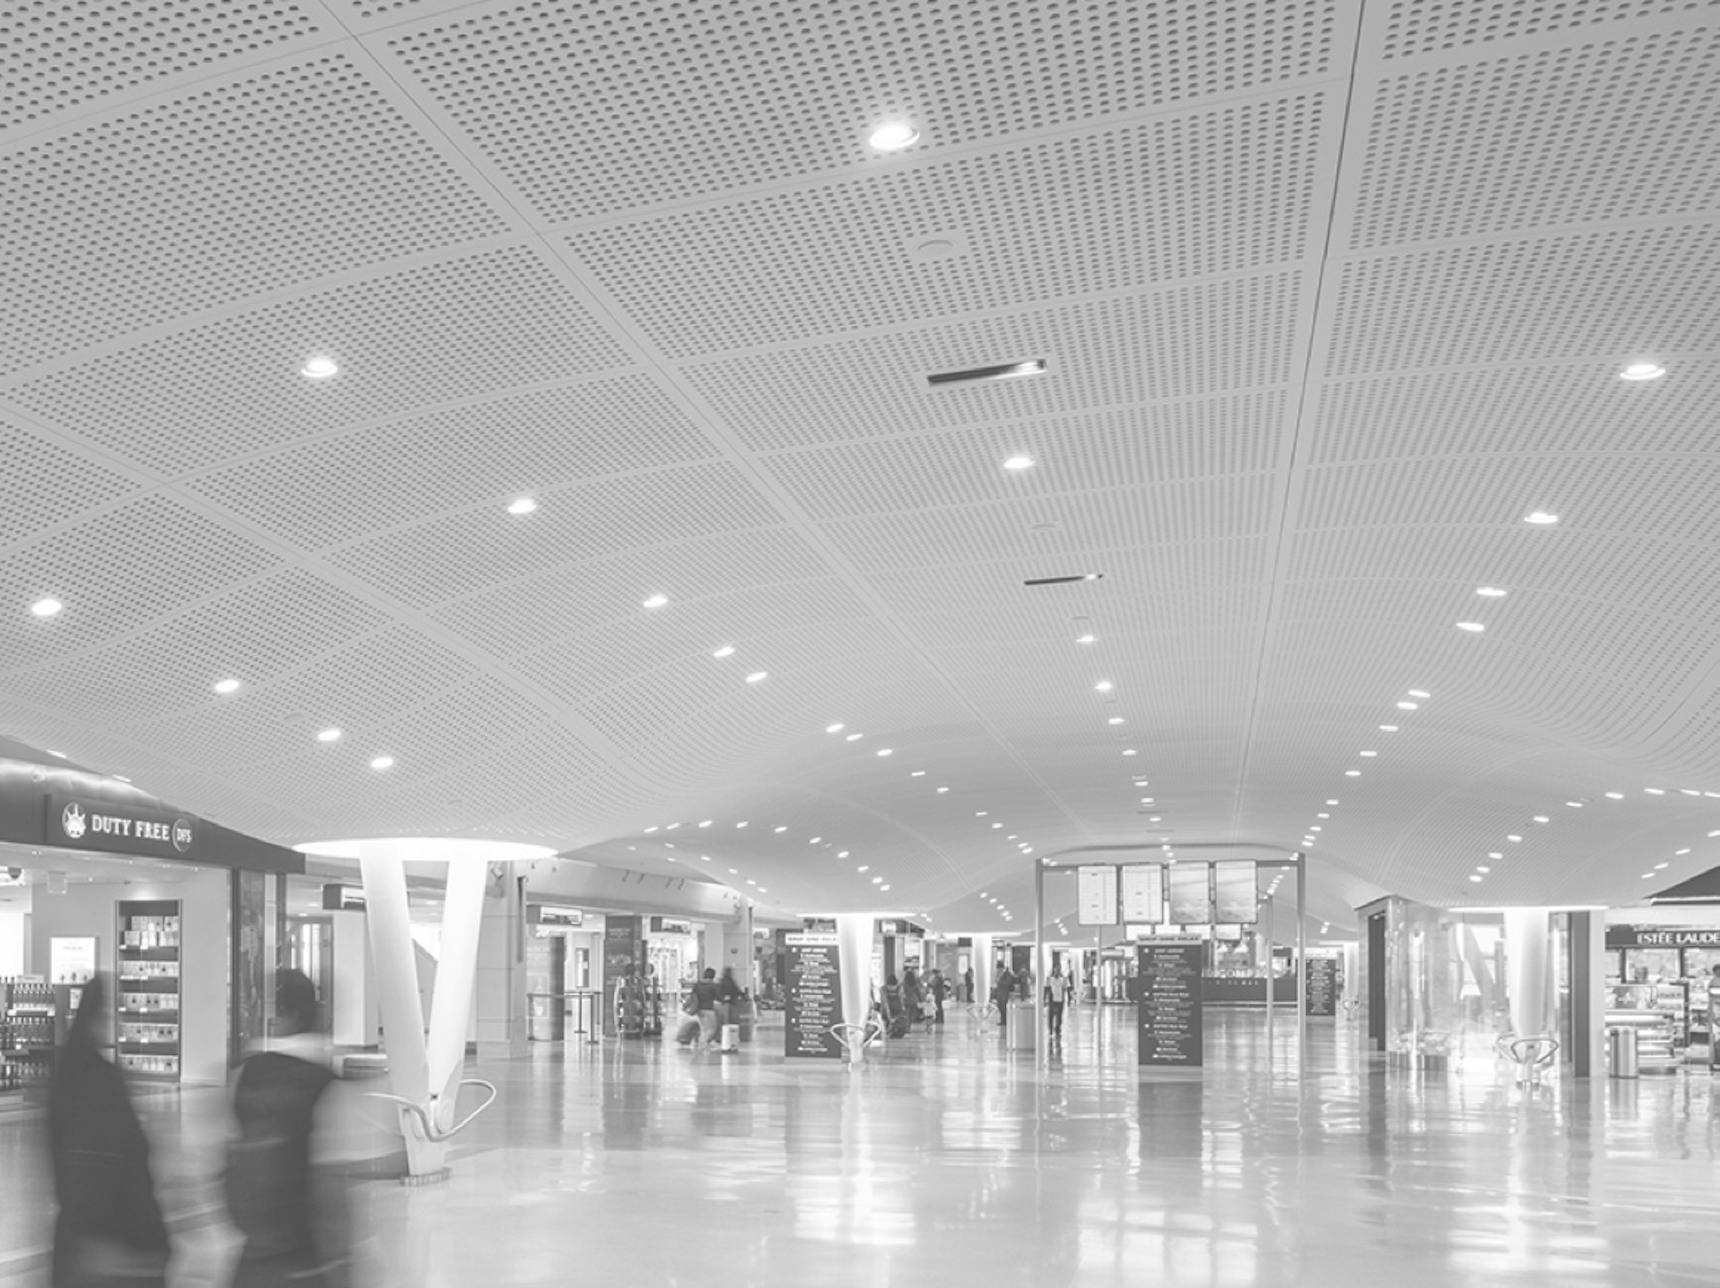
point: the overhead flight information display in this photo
(1144, 894)
(1096, 895)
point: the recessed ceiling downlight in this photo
(727, 650)
(655, 601)
(382, 762)
(1541, 518)
(756, 676)
(893, 136)
(521, 505)
(1019, 463)
(329, 735)
(1474, 628)
(1642, 371)
(319, 366)
(1491, 592)
(47, 606)
(224, 687)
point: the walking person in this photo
(1058, 989)
(939, 987)
(913, 997)
(729, 1000)
(705, 997)
(109, 1229)
(283, 1191)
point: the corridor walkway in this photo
(950, 1161)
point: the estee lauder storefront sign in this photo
(81, 824)
(1662, 937)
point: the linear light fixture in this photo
(1004, 371)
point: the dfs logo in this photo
(72, 821)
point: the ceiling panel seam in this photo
(241, 307)
(630, 336)
(399, 612)
(1313, 308)
(174, 86)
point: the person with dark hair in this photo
(706, 994)
(286, 1202)
(939, 989)
(913, 996)
(1002, 989)
(109, 1230)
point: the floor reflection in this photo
(952, 1158)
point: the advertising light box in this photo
(1234, 892)
(1191, 897)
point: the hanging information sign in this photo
(1096, 895)
(1144, 894)
(1168, 1005)
(814, 996)
(1191, 894)
(1235, 894)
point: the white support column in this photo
(425, 1069)
(982, 972)
(717, 956)
(746, 968)
(854, 960)
(456, 980)
(1527, 940)
(402, 1018)
(500, 996)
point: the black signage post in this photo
(1168, 1007)
(814, 997)
(1321, 994)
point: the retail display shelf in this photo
(147, 1014)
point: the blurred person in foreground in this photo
(109, 1230)
(287, 1189)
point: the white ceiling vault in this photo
(1331, 296)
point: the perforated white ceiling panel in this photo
(539, 394)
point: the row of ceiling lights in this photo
(1411, 701)
(841, 727)
(780, 830)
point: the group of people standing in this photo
(288, 1204)
(913, 998)
(711, 1003)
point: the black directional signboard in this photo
(1168, 1009)
(814, 996)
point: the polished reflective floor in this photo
(950, 1160)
